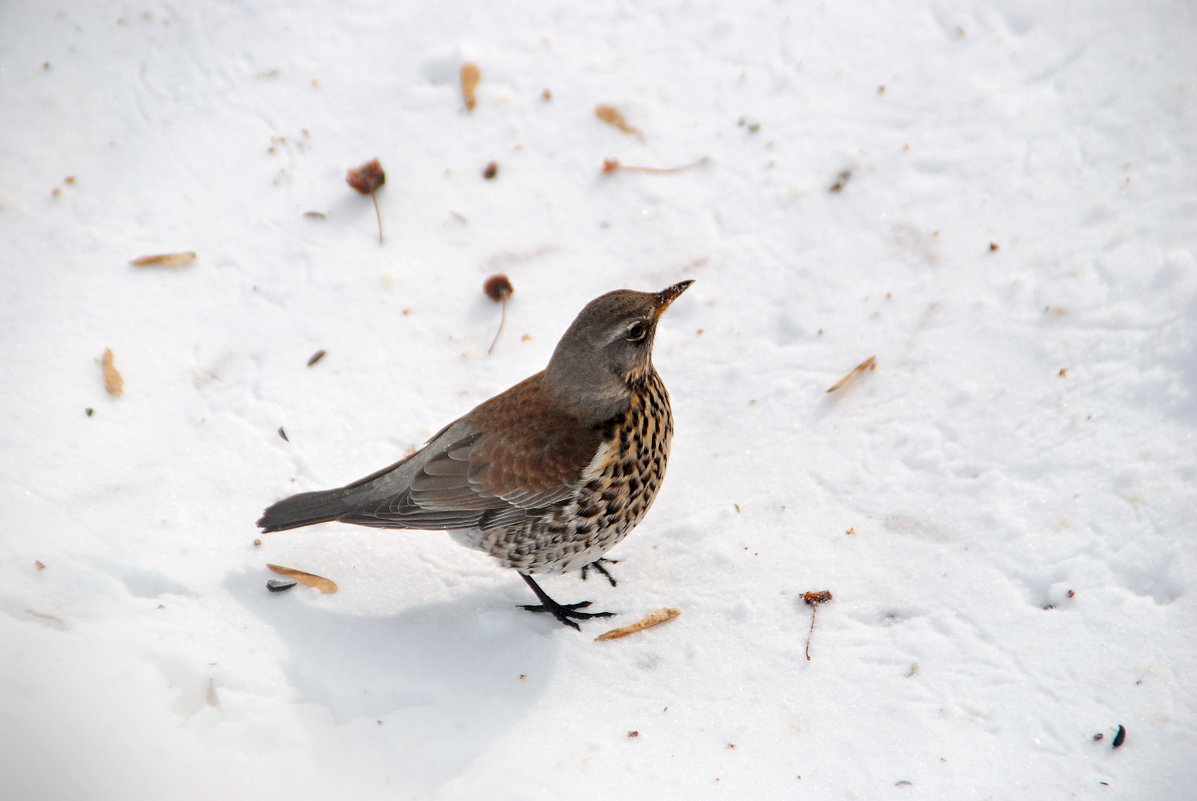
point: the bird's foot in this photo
(565, 613)
(597, 564)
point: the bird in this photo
(546, 476)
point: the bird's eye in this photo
(637, 331)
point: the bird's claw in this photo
(564, 612)
(597, 564)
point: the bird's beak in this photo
(667, 296)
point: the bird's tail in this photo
(304, 509)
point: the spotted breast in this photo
(611, 496)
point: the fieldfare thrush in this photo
(545, 477)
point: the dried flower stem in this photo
(502, 321)
(611, 165)
(813, 599)
(377, 215)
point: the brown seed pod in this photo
(498, 288)
(367, 179)
(813, 599)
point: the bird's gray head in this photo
(607, 349)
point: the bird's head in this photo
(606, 350)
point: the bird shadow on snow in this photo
(434, 673)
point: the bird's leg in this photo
(562, 612)
(597, 564)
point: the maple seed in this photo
(498, 288)
(367, 179)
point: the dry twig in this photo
(611, 165)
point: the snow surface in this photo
(1003, 509)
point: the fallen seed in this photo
(165, 260)
(278, 585)
(114, 383)
(470, 76)
(613, 116)
(655, 619)
(868, 364)
(310, 579)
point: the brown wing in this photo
(510, 456)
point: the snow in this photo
(1002, 509)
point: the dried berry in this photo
(367, 179)
(498, 288)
